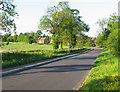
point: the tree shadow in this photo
(20, 58)
(66, 68)
(82, 58)
(57, 69)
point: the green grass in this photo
(20, 58)
(27, 47)
(104, 74)
(32, 53)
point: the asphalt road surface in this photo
(66, 74)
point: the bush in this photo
(7, 43)
(89, 43)
(112, 42)
(99, 41)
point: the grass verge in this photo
(104, 74)
(22, 46)
(20, 58)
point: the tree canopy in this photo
(64, 24)
(7, 14)
(109, 38)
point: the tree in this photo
(33, 37)
(112, 22)
(30, 39)
(113, 38)
(112, 42)
(102, 38)
(81, 40)
(89, 43)
(38, 33)
(20, 37)
(71, 25)
(7, 15)
(5, 36)
(64, 24)
(84, 41)
(26, 37)
(10, 39)
(102, 24)
(15, 37)
(107, 26)
(109, 37)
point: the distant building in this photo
(43, 40)
(93, 39)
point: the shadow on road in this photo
(85, 58)
(66, 68)
(61, 68)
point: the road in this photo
(66, 74)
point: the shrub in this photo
(112, 42)
(7, 43)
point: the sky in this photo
(30, 12)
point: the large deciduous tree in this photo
(7, 14)
(38, 34)
(5, 37)
(64, 24)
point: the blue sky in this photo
(30, 12)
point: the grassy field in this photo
(27, 47)
(104, 74)
(19, 58)
(10, 59)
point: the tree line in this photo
(81, 41)
(22, 37)
(109, 35)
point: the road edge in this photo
(80, 86)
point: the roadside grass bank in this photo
(104, 74)
(20, 58)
